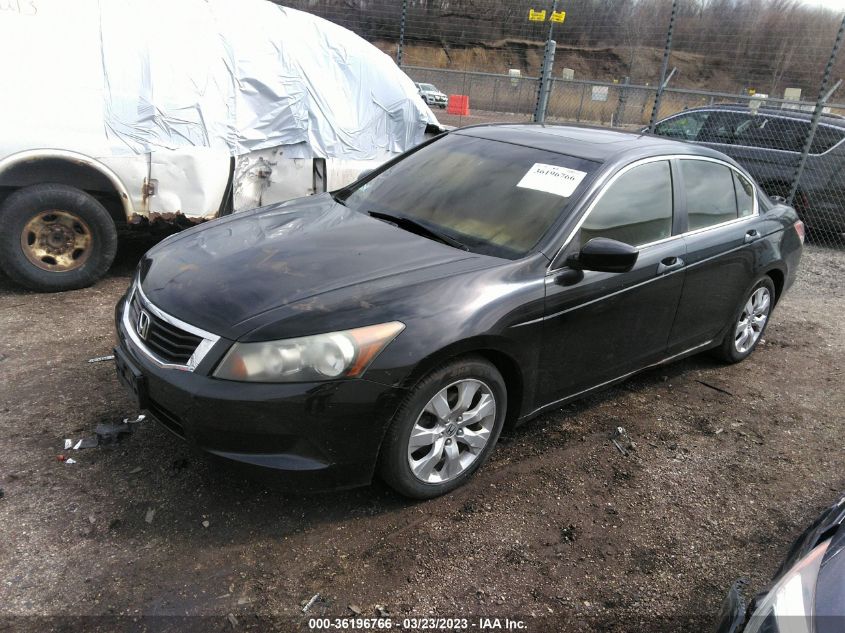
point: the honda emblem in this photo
(143, 326)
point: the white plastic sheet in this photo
(134, 76)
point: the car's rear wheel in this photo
(445, 429)
(749, 323)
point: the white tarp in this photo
(135, 76)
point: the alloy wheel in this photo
(752, 320)
(451, 431)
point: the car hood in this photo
(225, 275)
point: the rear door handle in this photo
(752, 235)
(669, 263)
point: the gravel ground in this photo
(560, 528)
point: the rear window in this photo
(496, 198)
(711, 197)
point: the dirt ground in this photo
(560, 528)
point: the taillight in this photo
(799, 228)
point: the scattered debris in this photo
(68, 444)
(311, 602)
(135, 470)
(86, 442)
(719, 430)
(715, 388)
(355, 609)
(141, 417)
(232, 620)
(100, 359)
(206, 523)
(111, 433)
(60, 458)
(382, 612)
(621, 441)
(150, 515)
(70, 460)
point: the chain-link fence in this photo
(756, 80)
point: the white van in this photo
(177, 111)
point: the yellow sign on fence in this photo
(537, 16)
(558, 16)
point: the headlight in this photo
(788, 606)
(320, 357)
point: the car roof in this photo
(592, 143)
(788, 113)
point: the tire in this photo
(480, 383)
(730, 350)
(54, 238)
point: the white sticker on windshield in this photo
(559, 181)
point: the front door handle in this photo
(669, 263)
(751, 236)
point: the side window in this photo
(744, 195)
(635, 209)
(710, 193)
(826, 137)
(774, 132)
(684, 127)
(724, 127)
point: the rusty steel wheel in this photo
(55, 237)
(56, 241)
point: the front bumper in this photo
(323, 435)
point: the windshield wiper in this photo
(418, 227)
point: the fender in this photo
(34, 155)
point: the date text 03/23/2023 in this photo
(418, 624)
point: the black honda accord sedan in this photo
(483, 277)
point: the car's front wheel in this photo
(54, 238)
(445, 429)
(749, 322)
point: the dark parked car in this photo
(806, 594)
(768, 144)
(479, 279)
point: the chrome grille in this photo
(167, 341)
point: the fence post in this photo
(664, 67)
(824, 95)
(402, 33)
(545, 82)
(620, 103)
(544, 87)
(581, 103)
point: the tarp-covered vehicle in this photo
(177, 111)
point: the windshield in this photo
(496, 198)
(428, 88)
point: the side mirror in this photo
(604, 255)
